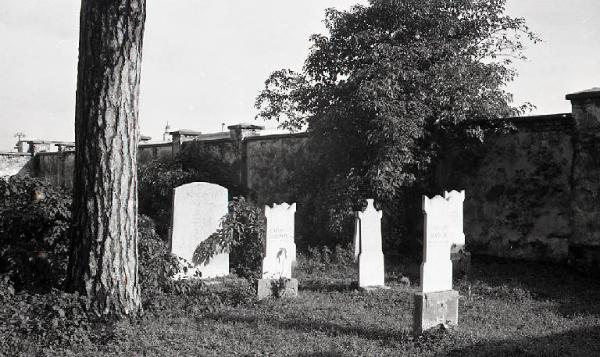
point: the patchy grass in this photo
(506, 309)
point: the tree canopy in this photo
(390, 78)
(391, 74)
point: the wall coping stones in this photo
(584, 94)
(12, 153)
(185, 132)
(277, 136)
(160, 143)
(248, 126)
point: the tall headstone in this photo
(198, 208)
(367, 242)
(461, 259)
(280, 250)
(455, 201)
(436, 303)
(280, 253)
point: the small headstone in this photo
(280, 253)
(367, 242)
(461, 259)
(455, 200)
(436, 303)
(198, 208)
(280, 250)
(436, 269)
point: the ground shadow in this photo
(332, 329)
(579, 342)
(326, 286)
(573, 292)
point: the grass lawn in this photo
(506, 309)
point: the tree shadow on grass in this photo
(326, 286)
(386, 335)
(580, 342)
(572, 292)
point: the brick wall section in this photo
(530, 194)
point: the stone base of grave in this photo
(461, 263)
(271, 287)
(434, 309)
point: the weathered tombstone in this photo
(437, 303)
(367, 245)
(280, 253)
(198, 208)
(280, 250)
(461, 259)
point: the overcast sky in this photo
(205, 61)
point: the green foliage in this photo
(318, 260)
(56, 317)
(156, 264)
(379, 93)
(242, 234)
(7, 289)
(279, 287)
(35, 240)
(34, 233)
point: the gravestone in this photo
(436, 303)
(367, 247)
(198, 208)
(280, 250)
(461, 259)
(280, 253)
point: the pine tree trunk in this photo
(103, 265)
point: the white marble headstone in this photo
(455, 206)
(367, 239)
(198, 208)
(443, 228)
(280, 250)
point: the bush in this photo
(157, 265)
(242, 233)
(323, 259)
(57, 318)
(35, 241)
(34, 233)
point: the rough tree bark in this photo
(103, 263)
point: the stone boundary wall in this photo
(268, 166)
(533, 193)
(152, 151)
(56, 167)
(518, 189)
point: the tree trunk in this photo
(103, 262)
